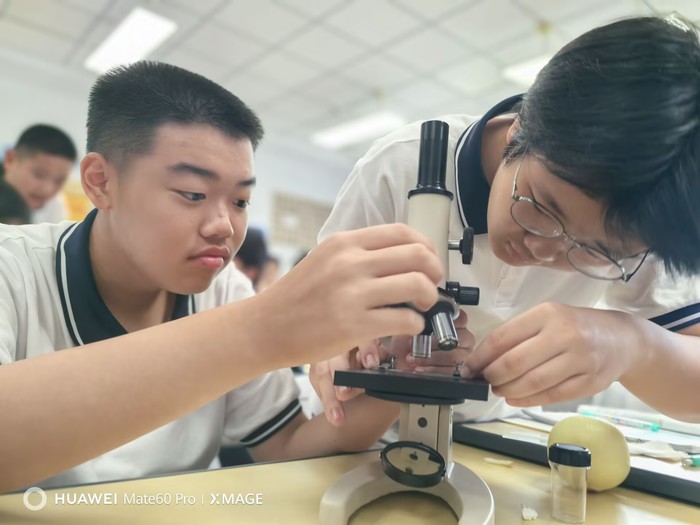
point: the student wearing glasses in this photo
(583, 195)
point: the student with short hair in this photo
(251, 256)
(581, 193)
(13, 209)
(129, 346)
(37, 167)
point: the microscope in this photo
(422, 458)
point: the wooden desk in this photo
(291, 493)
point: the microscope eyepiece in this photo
(432, 160)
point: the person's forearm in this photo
(61, 409)
(667, 373)
(366, 420)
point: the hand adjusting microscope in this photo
(422, 458)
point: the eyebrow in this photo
(186, 168)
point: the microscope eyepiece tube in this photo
(432, 160)
(429, 206)
(429, 202)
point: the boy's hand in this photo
(370, 355)
(332, 397)
(554, 353)
(336, 298)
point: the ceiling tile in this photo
(324, 48)
(83, 45)
(188, 24)
(223, 44)
(253, 89)
(292, 111)
(265, 21)
(311, 8)
(33, 41)
(200, 7)
(283, 69)
(472, 76)
(101, 27)
(553, 10)
(423, 93)
(50, 17)
(486, 23)
(89, 6)
(301, 136)
(196, 62)
(373, 104)
(378, 72)
(594, 18)
(335, 91)
(373, 22)
(452, 106)
(58, 84)
(528, 46)
(434, 8)
(427, 50)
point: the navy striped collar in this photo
(472, 188)
(86, 315)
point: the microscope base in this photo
(465, 492)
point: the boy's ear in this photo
(10, 157)
(98, 179)
(513, 129)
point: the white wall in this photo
(33, 92)
(287, 168)
(284, 167)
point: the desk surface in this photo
(291, 493)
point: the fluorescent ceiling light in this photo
(524, 73)
(139, 34)
(358, 130)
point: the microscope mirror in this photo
(413, 464)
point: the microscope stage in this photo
(414, 387)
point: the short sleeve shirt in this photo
(49, 302)
(376, 193)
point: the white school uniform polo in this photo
(376, 193)
(49, 302)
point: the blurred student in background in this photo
(13, 209)
(252, 255)
(37, 167)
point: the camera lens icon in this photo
(34, 506)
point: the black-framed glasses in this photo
(538, 220)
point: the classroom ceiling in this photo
(304, 65)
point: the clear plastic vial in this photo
(570, 464)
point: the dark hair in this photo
(616, 113)
(43, 138)
(13, 209)
(128, 103)
(253, 251)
